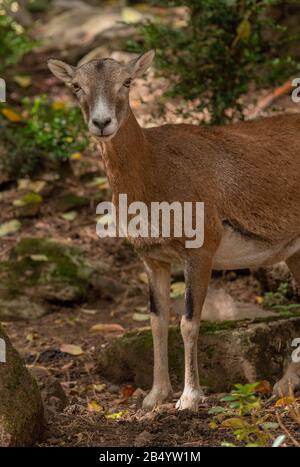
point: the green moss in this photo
(41, 262)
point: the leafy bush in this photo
(14, 41)
(45, 131)
(222, 47)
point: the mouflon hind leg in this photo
(197, 277)
(159, 290)
(291, 378)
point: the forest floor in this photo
(98, 412)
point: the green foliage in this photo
(222, 47)
(273, 299)
(48, 132)
(14, 42)
(242, 414)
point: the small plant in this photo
(14, 41)
(45, 131)
(217, 51)
(278, 298)
(242, 414)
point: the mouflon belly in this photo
(238, 251)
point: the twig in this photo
(286, 431)
(266, 101)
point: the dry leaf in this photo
(127, 391)
(140, 316)
(264, 387)
(11, 115)
(71, 349)
(93, 406)
(177, 289)
(143, 278)
(9, 228)
(107, 328)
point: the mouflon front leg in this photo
(197, 277)
(159, 290)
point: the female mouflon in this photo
(247, 175)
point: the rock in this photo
(220, 306)
(21, 408)
(228, 352)
(40, 272)
(53, 395)
(78, 25)
(20, 308)
(69, 201)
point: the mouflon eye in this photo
(127, 83)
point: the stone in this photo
(229, 352)
(53, 396)
(220, 306)
(40, 272)
(21, 408)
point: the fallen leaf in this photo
(9, 228)
(127, 391)
(143, 278)
(88, 312)
(58, 105)
(93, 406)
(140, 316)
(38, 257)
(24, 81)
(278, 441)
(116, 415)
(283, 401)
(100, 182)
(259, 299)
(99, 387)
(264, 387)
(76, 156)
(29, 198)
(107, 328)
(69, 216)
(131, 15)
(26, 184)
(71, 349)
(234, 422)
(177, 289)
(11, 115)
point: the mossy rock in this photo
(21, 408)
(228, 353)
(45, 271)
(69, 201)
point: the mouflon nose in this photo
(101, 124)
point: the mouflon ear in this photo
(139, 65)
(61, 70)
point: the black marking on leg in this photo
(153, 302)
(189, 305)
